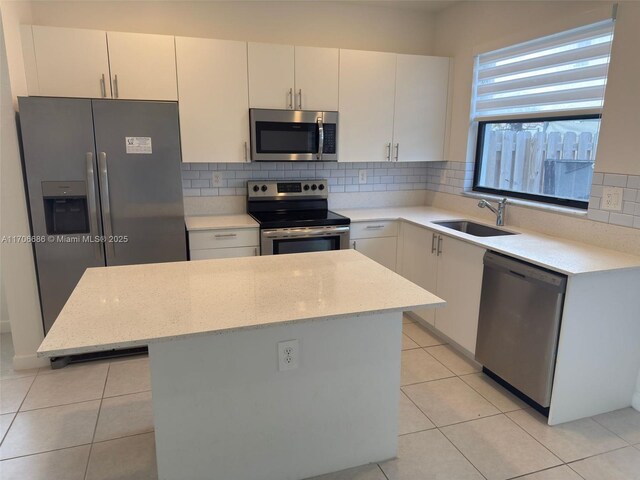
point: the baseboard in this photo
(25, 362)
(5, 326)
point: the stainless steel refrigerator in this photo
(100, 168)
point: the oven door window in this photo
(301, 245)
(286, 137)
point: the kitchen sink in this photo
(472, 228)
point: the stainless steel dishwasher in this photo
(519, 324)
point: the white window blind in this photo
(565, 72)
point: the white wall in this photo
(313, 23)
(16, 259)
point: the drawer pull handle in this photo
(372, 227)
(225, 235)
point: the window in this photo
(537, 106)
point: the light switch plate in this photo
(611, 198)
(362, 176)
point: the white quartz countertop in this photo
(564, 256)
(218, 222)
(128, 306)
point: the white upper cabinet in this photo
(316, 78)
(420, 108)
(70, 63)
(143, 67)
(271, 75)
(213, 100)
(367, 93)
(294, 78)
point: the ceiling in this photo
(431, 6)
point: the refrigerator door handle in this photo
(93, 208)
(105, 203)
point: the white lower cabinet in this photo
(226, 243)
(418, 264)
(376, 240)
(451, 269)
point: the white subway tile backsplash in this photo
(633, 181)
(621, 219)
(615, 180)
(449, 177)
(200, 183)
(598, 215)
(629, 208)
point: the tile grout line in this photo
(611, 431)
(460, 451)
(43, 452)
(95, 427)
(76, 446)
(15, 414)
(538, 441)
(381, 470)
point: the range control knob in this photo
(264, 188)
(314, 187)
(256, 188)
(321, 186)
(306, 187)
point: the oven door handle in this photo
(304, 232)
(320, 137)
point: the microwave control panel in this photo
(329, 138)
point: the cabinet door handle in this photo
(116, 92)
(225, 235)
(291, 99)
(439, 245)
(246, 152)
(300, 99)
(103, 87)
(388, 152)
(255, 251)
(373, 227)
(397, 151)
(433, 243)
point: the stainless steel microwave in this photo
(293, 135)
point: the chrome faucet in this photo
(498, 211)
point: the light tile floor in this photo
(95, 422)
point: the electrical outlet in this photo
(611, 198)
(216, 180)
(287, 355)
(362, 176)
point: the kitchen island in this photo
(230, 400)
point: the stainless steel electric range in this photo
(294, 217)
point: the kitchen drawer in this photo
(233, 252)
(236, 237)
(386, 228)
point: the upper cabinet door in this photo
(316, 72)
(143, 67)
(71, 62)
(367, 91)
(213, 99)
(271, 76)
(420, 108)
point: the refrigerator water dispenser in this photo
(65, 207)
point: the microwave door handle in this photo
(320, 137)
